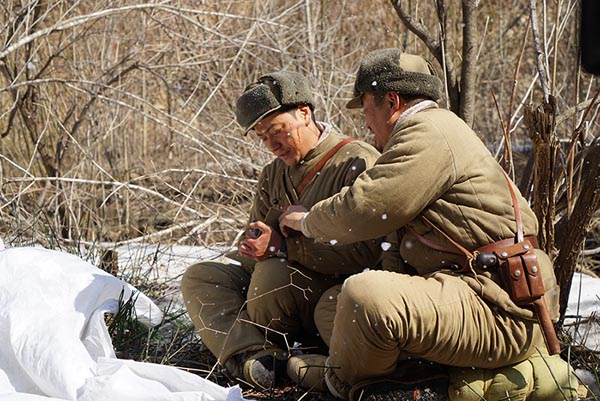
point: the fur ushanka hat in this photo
(390, 70)
(274, 91)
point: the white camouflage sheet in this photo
(54, 344)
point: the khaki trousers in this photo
(381, 314)
(235, 311)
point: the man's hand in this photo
(292, 218)
(261, 245)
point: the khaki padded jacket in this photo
(276, 191)
(435, 166)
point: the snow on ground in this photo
(582, 320)
(161, 261)
(167, 263)
(164, 264)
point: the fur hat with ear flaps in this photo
(390, 70)
(274, 91)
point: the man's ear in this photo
(305, 114)
(395, 101)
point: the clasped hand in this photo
(292, 218)
(261, 245)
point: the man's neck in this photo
(318, 132)
(314, 134)
(415, 106)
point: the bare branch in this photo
(571, 111)
(70, 23)
(540, 54)
(436, 47)
(430, 40)
(82, 19)
(469, 61)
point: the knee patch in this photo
(269, 275)
(193, 275)
(269, 290)
(358, 289)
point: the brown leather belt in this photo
(462, 263)
(490, 248)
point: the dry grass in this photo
(117, 117)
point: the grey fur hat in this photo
(390, 70)
(270, 93)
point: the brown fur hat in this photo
(270, 93)
(390, 70)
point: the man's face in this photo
(281, 133)
(379, 118)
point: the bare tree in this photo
(460, 85)
(563, 180)
(574, 176)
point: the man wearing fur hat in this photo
(249, 315)
(436, 181)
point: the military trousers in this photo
(382, 316)
(236, 310)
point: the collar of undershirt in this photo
(412, 110)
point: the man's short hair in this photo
(380, 97)
(390, 70)
(277, 91)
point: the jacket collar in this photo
(414, 109)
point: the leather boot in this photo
(264, 369)
(308, 371)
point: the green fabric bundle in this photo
(541, 377)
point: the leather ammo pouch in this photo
(520, 273)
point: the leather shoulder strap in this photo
(517, 211)
(463, 250)
(321, 163)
